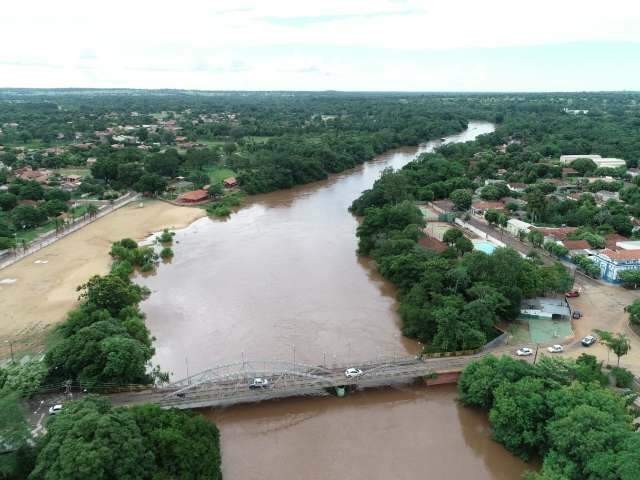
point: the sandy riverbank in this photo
(34, 296)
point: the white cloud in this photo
(192, 44)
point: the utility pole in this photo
(10, 342)
(535, 357)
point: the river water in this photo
(280, 280)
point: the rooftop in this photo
(621, 254)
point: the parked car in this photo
(56, 409)
(589, 340)
(259, 382)
(555, 349)
(353, 372)
(572, 294)
(524, 352)
(576, 314)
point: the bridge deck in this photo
(229, 385)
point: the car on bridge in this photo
(524, 352)
(555, 349)
(259, 382)
(353, 372)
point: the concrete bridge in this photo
(229, 384)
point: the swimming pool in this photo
(483, 246)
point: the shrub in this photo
(622, 377)
(166, 236)
(166, 253)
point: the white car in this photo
(259, 383)
(555, 349)
(353, 372)
(524, 352)
(56, 409)
(589, 340)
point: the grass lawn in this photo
(258, 139)
(83, 172)
(33, 233)
(212, 143)
(218, 174)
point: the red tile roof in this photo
(230, 182)
(194, 196)
(560, 233)
(622, 254)
(487, 205)
(614, 238)
(576, 244)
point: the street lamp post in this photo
(10, 342)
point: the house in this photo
(27, 173)
(604, 196)
(545, 308)
(480, 208)
(181, 139)
(628, 245)
(612, 240)
(556, 234)
(570, 172)
(230, 182)
(612, 262)
(577, 247)
(194, 196)
(517, 187)
(515, 226)
(575, 112)
(71, 178)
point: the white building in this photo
(514, 226)
(597, 159)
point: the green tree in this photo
(89, 440)
(631, 279)
(451, 235)
(184, 444)
(461, 199)
(634, 312)
(519, 416)
(8, 201)
(536, 238)
(463, 245)
(111, 293)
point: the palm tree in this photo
(92, 210)
(618, 343)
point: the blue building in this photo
(612, 262)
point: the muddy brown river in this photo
(280, 280)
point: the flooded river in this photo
(280, 280)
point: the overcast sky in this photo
(415, 45)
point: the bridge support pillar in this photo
(341, 391)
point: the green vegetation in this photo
(224, 206)
(618, 343)
(449, 301)
(141, 442)
(166, 253)
(166, 236)
(558, 409)
(218, 174)
(587, 265)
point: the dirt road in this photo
(39, 290)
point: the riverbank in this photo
(38, 291)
